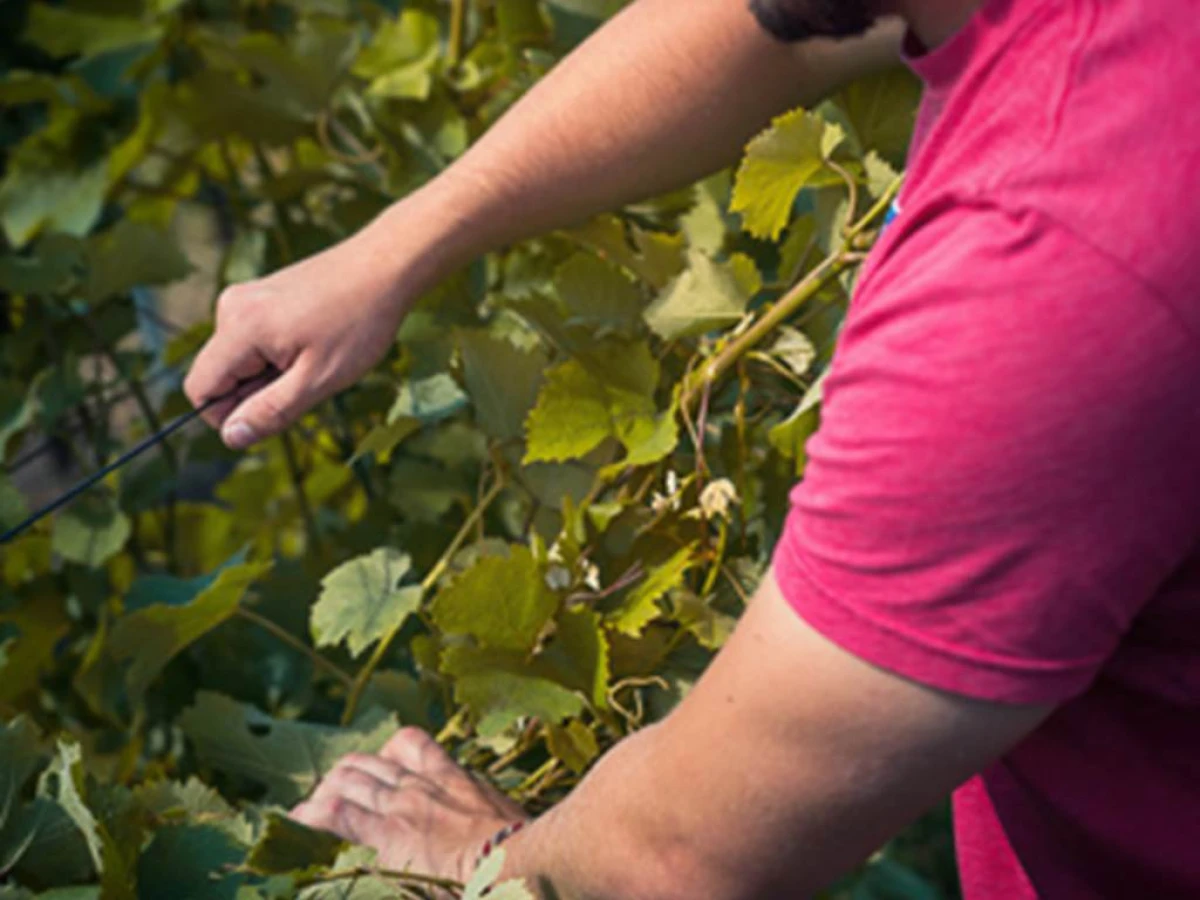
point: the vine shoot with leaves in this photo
(527, 531)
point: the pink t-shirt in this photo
(1003, 500)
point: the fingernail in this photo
(238, 435)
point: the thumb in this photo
(270, 410)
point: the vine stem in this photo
(458, 22)
(831, 267)
(296, 644)
(439, 568)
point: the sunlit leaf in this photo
(641, 607)
(362, 601)
(501, 601)
(786, 158)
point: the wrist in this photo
(428, 235)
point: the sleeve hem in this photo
(919, 660)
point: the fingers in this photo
(415, 750)
(384, 770)
(269, 410)
(222, 363)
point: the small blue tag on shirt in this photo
(892, 214)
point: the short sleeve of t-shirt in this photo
(1006, 467)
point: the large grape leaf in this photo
(606, 393)
(596, 293)
(707, 295)
(131, 254)
(500, 687)
(362, 601)
(502, 381)
(36, 198)
(501, 601)
(578, 655)
(288, 758)
(786, 158)
(152, 636)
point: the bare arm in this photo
(667, 91)
(821, 758)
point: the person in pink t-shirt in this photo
(989, 582)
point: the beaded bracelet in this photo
(497, 839)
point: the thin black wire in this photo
(128, 456)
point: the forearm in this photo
(604, 843)
(666, 92)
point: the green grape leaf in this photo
(879, 111)
(501, 601)
(794, 349)
(193, 861)
(12, 504)
(16, 412)
(709, 627)
(596, 293)
(790, 437)
(64, 32)
(192, 800)
(288, 846)
(428, 399)
(578, 655)
(91, 532)
(154, 635)
(40, 622)
(880, 176)
(357, 887)
(609, 392)
(706, 296)
(383, 439)
(571, 417)
(574, 743)
(485, 882)
(401, 57)
(502, 381)
(36, 199)
(499, 687)
(362, 601)
(641, 607)
(288, 758)
(20, 753)
(131, 254)
(786, 158)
